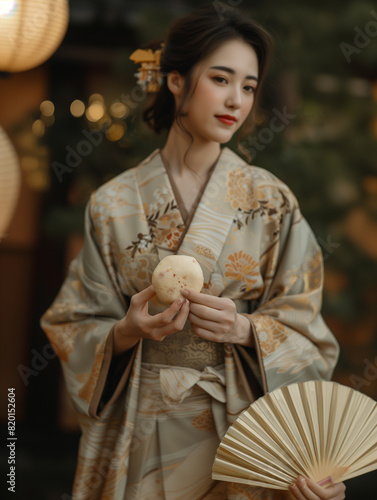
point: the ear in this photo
(175, 82)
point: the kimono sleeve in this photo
(80, 325)
(293, 343)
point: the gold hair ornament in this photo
(148, 76)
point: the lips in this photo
(227, 119)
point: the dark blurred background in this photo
(324, 75)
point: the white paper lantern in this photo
(30, 32)
(10, 180)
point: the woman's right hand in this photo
(138, 323)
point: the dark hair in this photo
(190, 40)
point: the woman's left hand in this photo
(307, 489)
(216, 319)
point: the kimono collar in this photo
(206, 234)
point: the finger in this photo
(210, 326)
(176, 325)
(296, 492)
(143, 296)
(166, 317)
(332, 492)
(208, 335)
(307, 493)
(202, 298)
(179, 321)
(206, 312)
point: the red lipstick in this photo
(227, 119)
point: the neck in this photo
(200, 157)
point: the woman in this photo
(155, 387)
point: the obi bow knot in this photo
(178, 383)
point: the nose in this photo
(234, 98)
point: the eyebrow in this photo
(232, 72)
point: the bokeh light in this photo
(116, 131)
(38, 128)
(118, 109)
(77, 108)
(95, 98)
(47, 108)
(95, 111)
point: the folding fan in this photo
(316, 429)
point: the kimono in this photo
(152, 418)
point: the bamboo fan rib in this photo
(317, 429)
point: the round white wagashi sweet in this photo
(175, 273)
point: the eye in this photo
(220, 79)
(250, 89)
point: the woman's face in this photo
(224, 95)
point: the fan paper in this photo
(315, 429)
